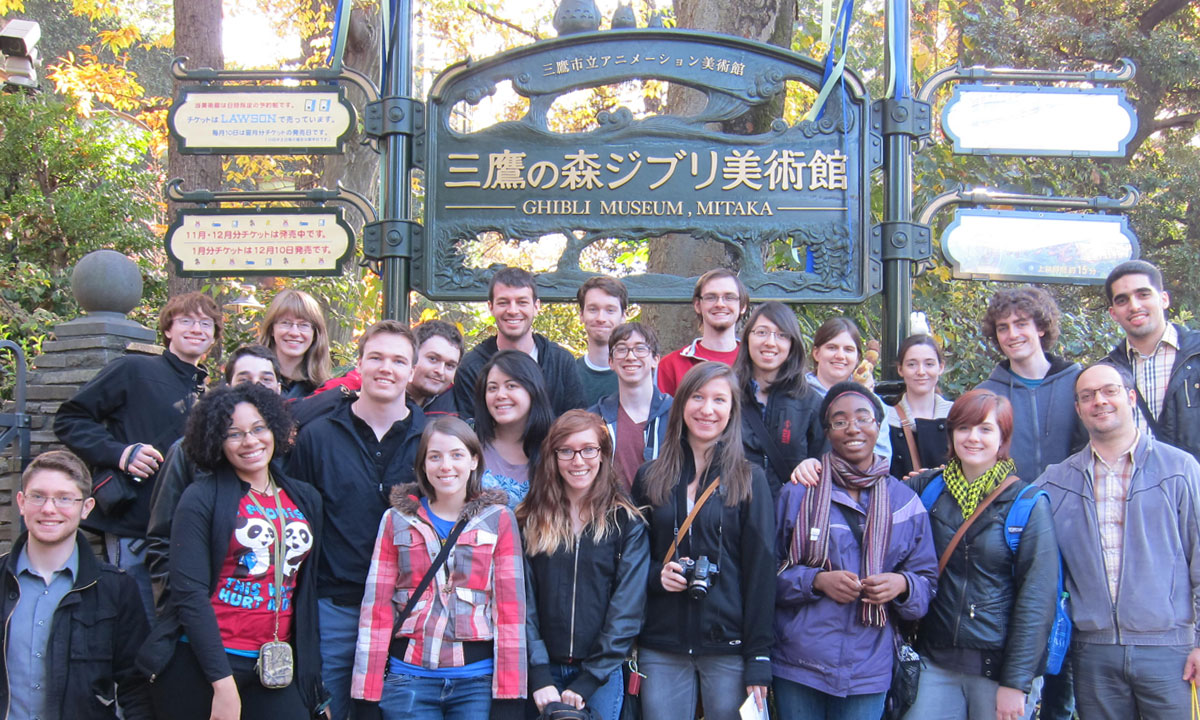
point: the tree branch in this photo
(1158, 12)
(1177, 121)
(501, 21)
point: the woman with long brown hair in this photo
(711, 580)
(579, 525)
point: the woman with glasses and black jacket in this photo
(586, 553)
(781, 423)
(710, 601)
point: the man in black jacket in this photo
(127, 416)
(354, 455)
(513, 302)
(1163, 357)
(71, 625)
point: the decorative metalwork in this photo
(797, 191)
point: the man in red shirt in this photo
(720, 300)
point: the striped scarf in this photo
(810, 540)
(968, 493)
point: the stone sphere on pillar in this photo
(106, 281)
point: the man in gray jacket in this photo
(1127, 515)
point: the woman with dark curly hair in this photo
(579, 524)
(240, 578)
(512, 416)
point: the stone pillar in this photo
(107, 285)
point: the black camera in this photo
(700, 574)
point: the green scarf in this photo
(968, 494)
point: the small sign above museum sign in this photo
(307, 120)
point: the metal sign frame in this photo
(336, 268)
(185, 93)
(734, 75)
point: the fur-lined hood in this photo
(406, 499)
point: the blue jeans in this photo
(795, 701)
(339, 635)
(669, 690)
(606, 701)
(1116, 682)
(408, 697)
(129, 554)
(946, 694)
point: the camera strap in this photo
(687, 522)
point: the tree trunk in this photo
(767, 21)
(198, 38)
(357, 168)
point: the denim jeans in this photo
(339, 635)
(129, 554)
(669, 690)
(795, 701)
(408, 697)
(945, 694)
(1117, 682)
(606, 701)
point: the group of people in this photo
(508, 530)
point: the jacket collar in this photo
(87, 572)
(416, 417)
(193, 373)
(407, 499)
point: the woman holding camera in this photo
(857, 552)
(441, 631)
(586, 553)
(243, 537)
(984, 639)
(709, 607)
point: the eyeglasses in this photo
(640, 350)
(566, 454)
(761, 333)
(303, 325)
(727, 298)
(860, 422)
(1108, 391)
(187, 322)
(236, 437)
(60, 502)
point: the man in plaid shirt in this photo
(1163, 357)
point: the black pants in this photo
(180, 692)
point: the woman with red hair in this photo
(983, 641)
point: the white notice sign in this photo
(267, 120)
(1042, 121)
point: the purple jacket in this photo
(823, 644)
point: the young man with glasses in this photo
(72, 626)
(720, 300)
(1127, 518)
(635, 415)
(127, 416)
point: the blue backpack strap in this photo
(931, 492)
(1018, 515)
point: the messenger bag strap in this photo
(438, 562)
(687, 522)
(907, 426)
(962, 530)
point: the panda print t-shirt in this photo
(244, 601)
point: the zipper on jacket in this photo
(966, 584)
(1091, 507)
(574, 584)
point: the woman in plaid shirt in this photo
(463, 643)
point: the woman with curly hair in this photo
(294, 327)
(241, 576)
(512, 415)
(707, 627)
(578, 524)
(456, 646)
